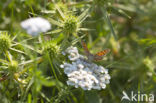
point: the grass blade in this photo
(109, 23)
(83, 15)
(60, 12)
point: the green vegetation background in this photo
(127, 27)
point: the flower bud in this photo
(13, 65)
(52, 48)
(70, 25)
(5, 42)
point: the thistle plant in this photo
(63, 7)
(13, 65)
(5, 42)
(70, 25)
(52, 49)
(42, 59)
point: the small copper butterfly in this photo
(94, 57)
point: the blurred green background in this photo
(127, 27)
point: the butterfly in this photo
(94, 57)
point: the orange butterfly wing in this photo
(85, 48)
(99, 55)
(102, 53)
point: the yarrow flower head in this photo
(84, 74)
(37, 25)
(73, 53)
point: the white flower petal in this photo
(34, 26)
(84, 74)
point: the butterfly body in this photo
(91, 57)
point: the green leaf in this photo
(44, 96)
(148, 41)
(55, 22)
(109, 23)
(28, 87)
(77, 40)
(60, 12)
(9, 56)
(3, 61)
(86, 29)
(31, 48)
(52, 67)
(29, 98)
(83, 19)
(18, 51)
(54, 31)
(31, 61)
(47, 11)
(48, 83)
(83, 16)
(121, 12)
(126, 7)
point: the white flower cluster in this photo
(84, 74)
(34, 26)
